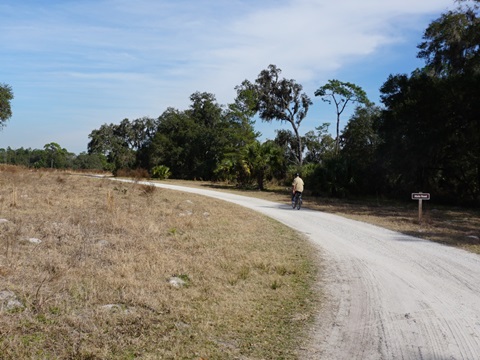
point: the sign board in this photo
(420, 196)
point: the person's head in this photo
(297, 175)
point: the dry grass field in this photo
(96, 269)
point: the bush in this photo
(328, 179)
(161, 172)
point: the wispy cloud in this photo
(110, 59)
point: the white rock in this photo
(117, 308)
(103, 243)
(186, 213)
(9, 301)
(6, 294)
(176, 282)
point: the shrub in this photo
(161, 172)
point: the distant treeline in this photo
(52, 156)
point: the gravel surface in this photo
(388, 295)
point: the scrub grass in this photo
(107, 270)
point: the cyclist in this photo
(297, 187)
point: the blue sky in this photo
(75, 65)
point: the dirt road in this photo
(390, 296)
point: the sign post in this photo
(420, 197)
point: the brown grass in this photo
(97, 286)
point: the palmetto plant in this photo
(161, 172)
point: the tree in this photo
(429, 133)
(120, 143)
(6, 95)
(320, 145)
(429, 129)
(170, 146)
(210, 131)
(264, 161)
(341, 93)
(55, 156)
(277, 99)
(288, 142)
(140, 131)
(359, 142)
(202, 142)
(451, 43)
(204, 109)
(90, 161)
(110, 141)
(241, 136)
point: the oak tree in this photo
(275, 98)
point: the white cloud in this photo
(320, 34)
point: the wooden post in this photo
(420, 210)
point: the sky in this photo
(75, 65)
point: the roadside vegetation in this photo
(96, 269)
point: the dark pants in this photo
(296, 192)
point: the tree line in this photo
(52, 156)
(424, 137)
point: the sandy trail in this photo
(389, 296)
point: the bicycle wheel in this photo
(294, 201)
(299, 202)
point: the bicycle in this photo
(297, 200)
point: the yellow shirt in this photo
(298, 184)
